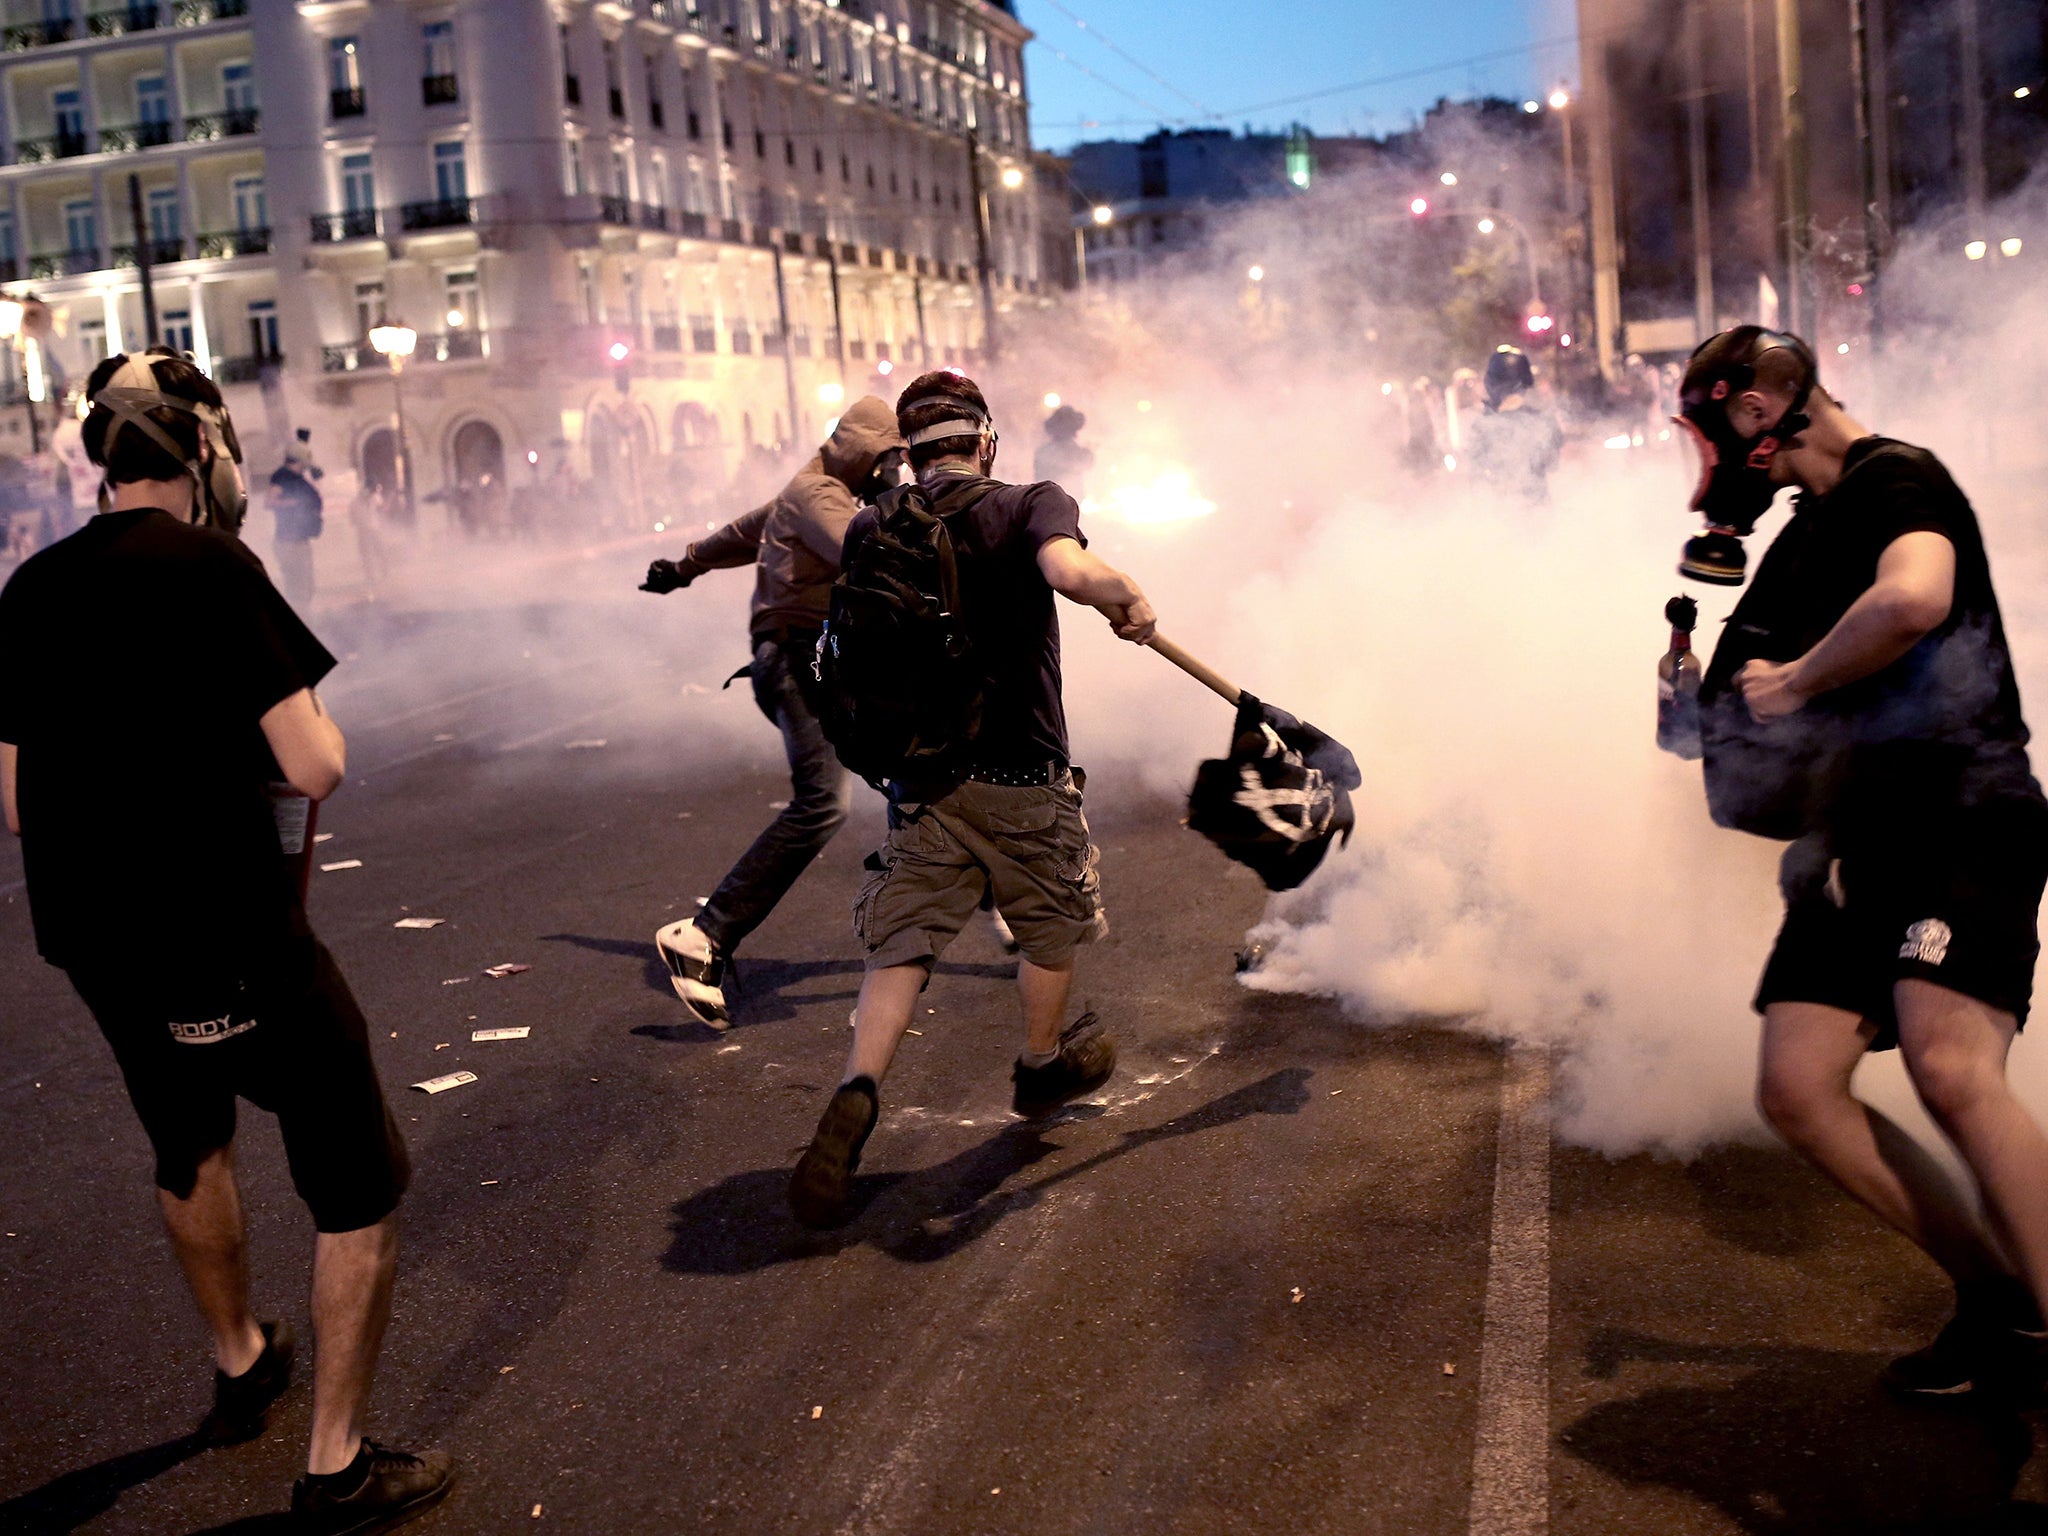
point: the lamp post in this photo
(396, 343)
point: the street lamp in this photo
(1013, 178)
(2010, 247)
(14, 331)
(1560, 99)
(1487, 226)
(1449, 178)
(1257, 274)
(396, 343)
(1104, 214)
(1976, 250)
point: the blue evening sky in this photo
(1242, 59)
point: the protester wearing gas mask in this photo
(1861, 705)
(793, 543)
(153, 687)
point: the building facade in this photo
(635, 238)
(1687, 167)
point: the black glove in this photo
(670, 575)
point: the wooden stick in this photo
(1200, 671)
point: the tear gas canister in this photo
(1678, 683)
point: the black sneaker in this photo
(241, 1404)
(1087, 1057)
(1991, 1346)
(389, 1488)
(823, 1180)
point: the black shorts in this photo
(1953, 898)
(301, 1051)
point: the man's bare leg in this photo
(887, 998)
(352, 1273)
(1044, 991)
(1955, 1049)
(207, 1235)
(1809, 1054)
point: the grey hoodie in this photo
(794, 541)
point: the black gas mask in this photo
(1735, 486)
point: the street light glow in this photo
(394, 340)
(1560, 99)
(1449, 178)
(1487, 226)
(1975, 250)
(2010, 247)
(1257, 274)
(1013, 178)
(1842, 350)
(830, 393)
(618, 351)
(1052, 400)
(885, 367)
(1532, 106)
(1418, 206)
(1104, 213)
(11, 313)
(456, 319)
(2023, 93)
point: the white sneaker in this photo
(696, 970)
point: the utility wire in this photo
(1154, 76)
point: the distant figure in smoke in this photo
(148, 663)
(995, 808)
(1061, 458)
(1912, 899)
(1513, 444)
(297, 505)
(793, 542)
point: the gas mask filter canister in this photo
(1735, 486)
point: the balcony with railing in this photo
(653, 218)
(120, 20)
(161, 252)
(226, 244)
(454, 346)
(439, 90)
(439, 213)
(732, 231)
(206, 127)
(664, 335)
(197, 13)
(356, 224)
(695, 225)
(245, 370)
(346, 101)
(742, 339)
(48, 264)
(612, 209)
(126, 138)
(703, 334)
(37, 34)
(57, 146)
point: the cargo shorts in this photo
(1023, 849)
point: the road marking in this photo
(474, 694)
(1511, 1454)
(555, 730)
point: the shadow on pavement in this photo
(1806, 1441)
(741, 1224)
(276, 1523)
(67, 1502)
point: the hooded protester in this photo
(793, 542)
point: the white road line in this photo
(1511, 1456)
(475, 693)
(555, 730)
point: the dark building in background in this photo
(1686, 157)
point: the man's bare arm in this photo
(1082, 577)
(1911, 598)
(307, 743)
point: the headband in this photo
(959, 427)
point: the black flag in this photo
(1280, 797)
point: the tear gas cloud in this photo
(1527, 864)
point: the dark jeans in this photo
(822, 792)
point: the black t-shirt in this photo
(1941, 724)
(1010, 614)
(137, 659)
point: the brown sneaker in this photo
(241, 1404)
(379, 1491)
(1087, 1057)
(823, 1181)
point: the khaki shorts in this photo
(1027, 849)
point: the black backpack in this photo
(900, 693)
(1778, 779)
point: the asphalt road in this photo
(1289, 1273)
